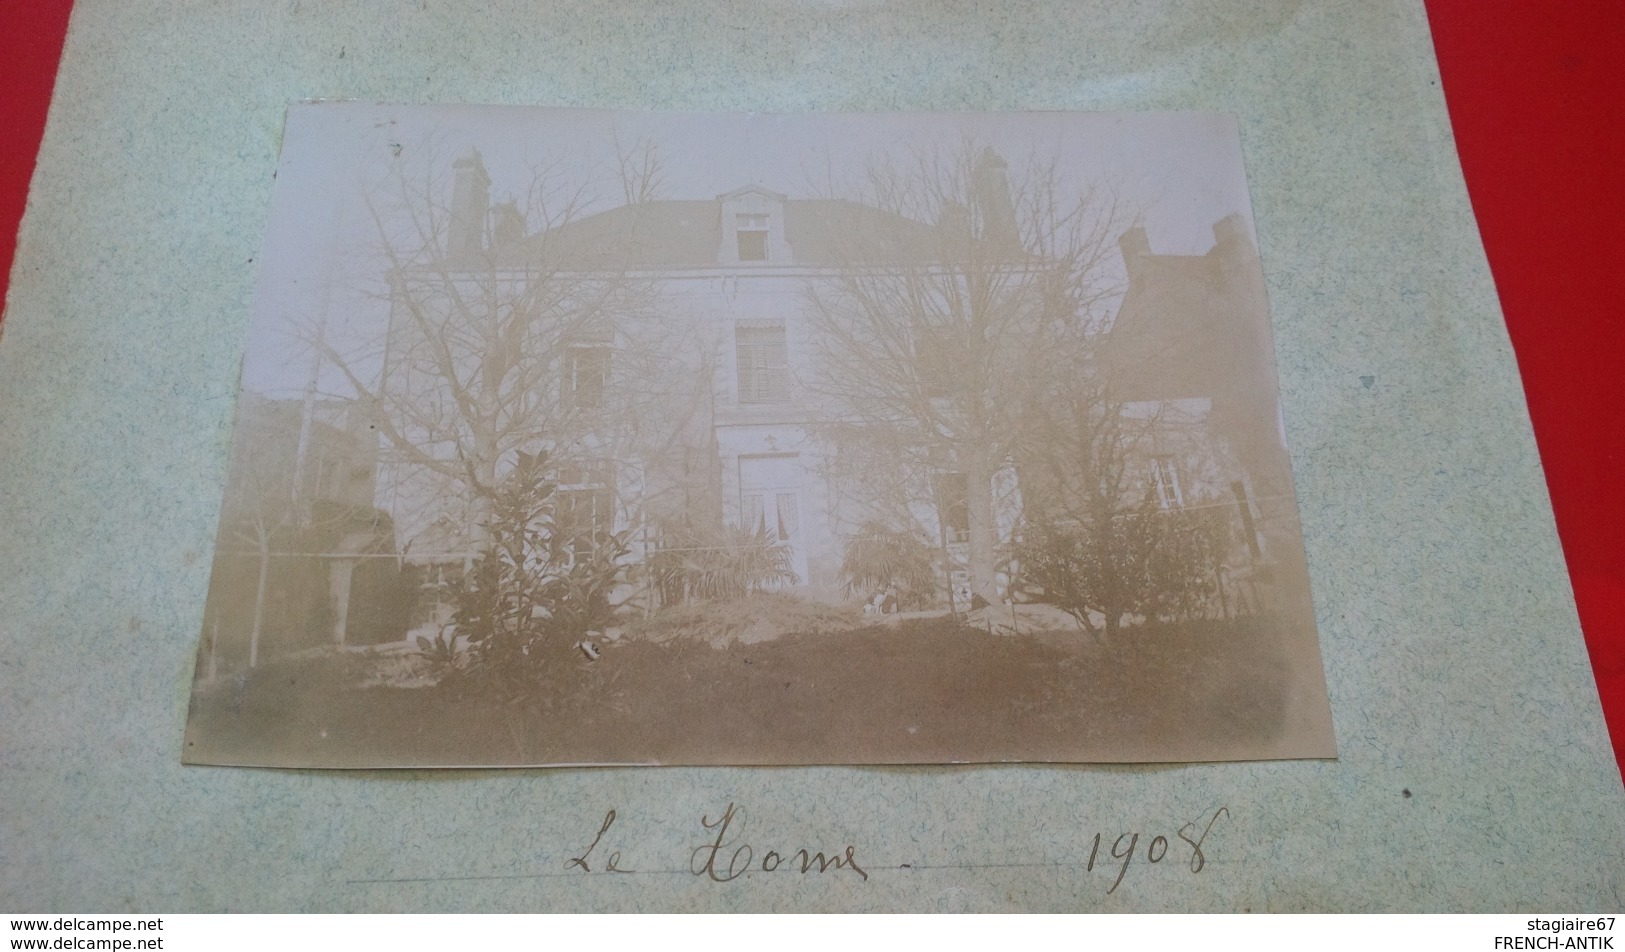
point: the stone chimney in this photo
(1230, 235)
(1134, 245)
(470, 204)
(507, 225)
(990, 188)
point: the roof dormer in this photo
(753, 228)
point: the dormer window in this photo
(752, 228)
(752, 232)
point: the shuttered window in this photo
(764, 371)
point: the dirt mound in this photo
(756, 618)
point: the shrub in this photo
(730, 562)
(442, 648)
(534, 587)
(1144, 560)
(879, 556)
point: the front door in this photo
(770, 491)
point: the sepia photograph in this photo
(589, 437)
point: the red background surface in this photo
(1536, 102)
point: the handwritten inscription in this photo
(743, 858)
(708, 860)
(726, 855)
(1125, 847)
(612, 864)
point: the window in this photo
(780, 524)
(953, 505)
(1248, 525)
(1165, 477)
(585, 518)
(764, 371)
(752, 232)
(934, 358)
(586, 377)
(584, 514)
(770, 495)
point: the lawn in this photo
(929, 690)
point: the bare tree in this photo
(1110, 530)
(937, 341)
(641, 171)
(514, 328)
(1147, 459)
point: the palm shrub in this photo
(720, 563)
(879, 556)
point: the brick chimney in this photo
(507, 225)
(1230, 235)
(1134, 245)
(470, 204)
(990, 188)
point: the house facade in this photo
(694, 400)
(682, 383)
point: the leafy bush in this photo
(1146, 560)
(534, 587)
(1181, 563)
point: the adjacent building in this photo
(1191, 346)
(303, 559)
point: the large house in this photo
(693, 400)
(685, 381)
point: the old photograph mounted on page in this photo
(574, 437)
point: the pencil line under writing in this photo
(899, 868)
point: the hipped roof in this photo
(675, 235)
